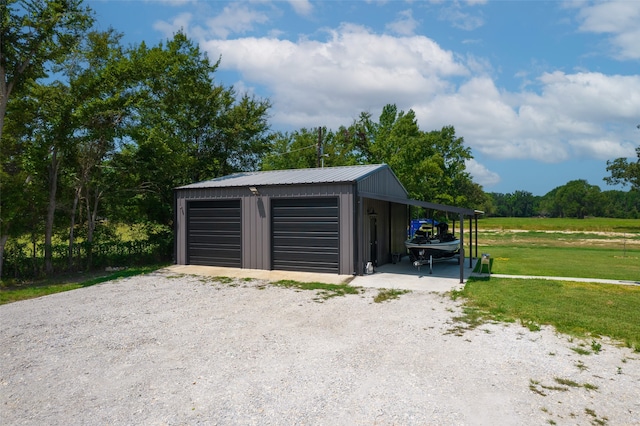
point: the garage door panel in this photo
(214, 233)
(305, 234)
(328, 244)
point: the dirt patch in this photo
(163, 349)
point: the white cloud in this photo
(302, 7)
(404, 25)
(574, 115)
(182, 22)
(603, 148)
(557, 116)
(619, 19)
(459, 19)
(334, 80)
(235, 19)
(481, 175)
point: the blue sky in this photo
(542, 92)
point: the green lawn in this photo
(578, 309)
(595, 224)
(589, 248)
(43, 288)
(583, 262)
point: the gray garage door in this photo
(214, 233)
(305, 234)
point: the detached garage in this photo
(332, 220)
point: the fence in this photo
(23, 261)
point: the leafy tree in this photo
(103, 103)
(34, 36)
(622, 204)
(574, 199)
(295, 150)
(184, 128)
(47, 143)
(624, 172)
(431, 165)
(306, 148)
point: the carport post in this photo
(471, 242)
(461, 248)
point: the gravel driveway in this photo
(162, 349)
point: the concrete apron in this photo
(402, 275)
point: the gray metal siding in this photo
(306, 234)
(382, 182)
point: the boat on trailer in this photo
(427, 245)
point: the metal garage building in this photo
(333, 219)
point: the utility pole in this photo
(319, 153)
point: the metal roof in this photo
(343, 174)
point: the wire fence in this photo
(27, 261)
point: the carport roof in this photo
(424, 204)
(291, 177)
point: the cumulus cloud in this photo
(181, 22)
(235, 19)
(405, 24)
(335, 79)
(481, 175)
(330, 78)
(619, 19)
(302, 7)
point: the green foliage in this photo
(26, 261)
(624, 172)
(430, 165)
(183, 128)
(309, 148)
(575, 199)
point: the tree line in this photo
(93, 134)
(575, 199)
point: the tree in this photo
(430, 165)
(34, 36)
(624, 172)
(184, 128)
(99, 87)
(574, 199)
(47, 143)
(306, 148)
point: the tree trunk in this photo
(51, 208)
(92, 215)
(3, 242)
(73, 225)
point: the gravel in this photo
(161, 349)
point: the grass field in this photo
(589, 248)
(578, 309)
(595, 224)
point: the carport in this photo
(460, 211)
